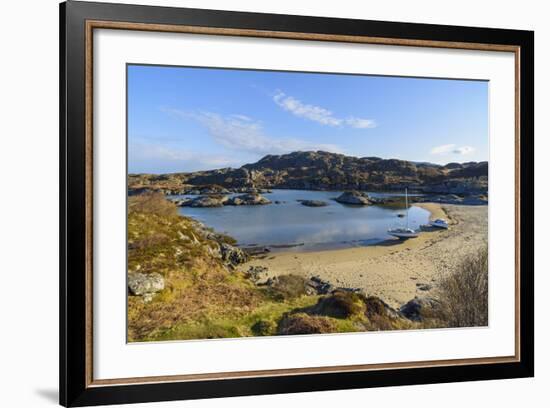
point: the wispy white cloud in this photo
(242, 133)
(311, 112)
(317, 113)
(463, 150)
(360, 123)
(452, 149)
(147, 154)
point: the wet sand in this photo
(391, 270)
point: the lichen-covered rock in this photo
(258, 274)
(232, 255)
(142, 284)
(353, 198)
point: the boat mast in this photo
(407, 207)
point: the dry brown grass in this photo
(464, 294)
(197, 285)
(152, 203)
(287, 287)
(302, 323)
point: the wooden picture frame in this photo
(78, 20)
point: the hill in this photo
(329, 171)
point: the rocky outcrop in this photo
(248, 199)
(475, 199)
(353, 198)
(376, 307)
(313, 203)
(217, 200)
(319, 286)
(420, 308)
(182, 202)
(145, 285)
(258, 274)
(207, 201)
(231, 255)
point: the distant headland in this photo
(319, 170)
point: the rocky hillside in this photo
(328, 171)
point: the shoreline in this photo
(394, 270)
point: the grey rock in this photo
(377, 307)
(248, 199)
(319, 286)
(140, 284)
(353, 198)
(207, 201)
(258, 275)
(313, 203)
(232, 255)
(256, 250)
(182, 202)
(215, 250)
(423, 286)
(417, 308)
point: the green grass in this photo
(230, 323)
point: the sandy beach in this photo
(394, 270)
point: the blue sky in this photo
(187, 119)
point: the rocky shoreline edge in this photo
(209, 198)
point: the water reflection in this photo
(291, 223)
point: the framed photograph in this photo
(257, 204)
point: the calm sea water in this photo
(307, 228)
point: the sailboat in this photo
(440, 223)
(404, 233)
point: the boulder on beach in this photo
(353, 198)
(313, 203)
